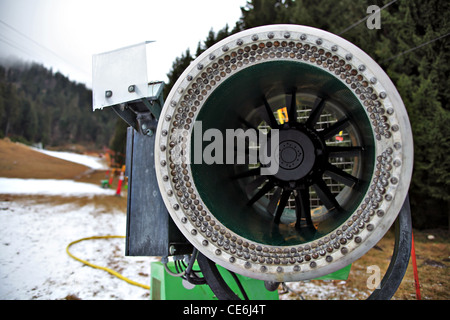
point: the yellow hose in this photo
(114, 273)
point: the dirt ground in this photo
(432, 246)
(19, 161)
(433, 262)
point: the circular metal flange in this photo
(393, 148)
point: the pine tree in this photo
(178, 67)
(421, 76)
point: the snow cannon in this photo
(283, 153)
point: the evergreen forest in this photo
(38, 105)
(412, 46)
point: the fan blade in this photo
(341, 176)
(303, 210)
(253, 185)
(283, 202)
(274, 201)
(250, 173)
(271, 117)
(335, 128)
(266, 188)
(316, 110)
(344, 152)
(247, 124)
(291, 104)
(325, 195)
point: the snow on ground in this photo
(323, 290)
(34, 233)
(89, 161)
(35, 265)
(51, 187)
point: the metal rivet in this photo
(270, 35)
(212, 57)
(170, 193)
(344, 250)
(205, 242)
(373, 80)
(168, 117)
(395, 127)
(370, 227)
(131, 88)
(225, 48)
(297, 268)
(218, 252)
(263, 269)
(287, 35)
(232, 259)
(162, 148)
(279, 269)
(194, 232)
(319, 41)
(358, 240)
(189, 78)
(383, 95)
(329, 258)
(184, 220)
(334, 48)
(176, 206)
(239, 42)
(108, 93)
(255, 37)
(313, 264)
(248, 265)
(362, 68)
(303, 37)
(348, 56)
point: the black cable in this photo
(241, 288)
(179, 269)
(191, 275)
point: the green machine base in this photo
(164, 286)
(167, 287)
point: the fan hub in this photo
(295, 155)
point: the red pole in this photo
(416, 273)
(119, 185)
(111, 177)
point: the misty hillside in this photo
(38, 105)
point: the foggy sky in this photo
(64, 34)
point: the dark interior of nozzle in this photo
(238, 102)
